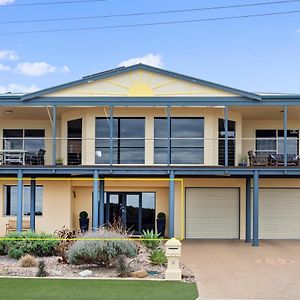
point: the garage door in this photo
(212, 213)
(279, 214)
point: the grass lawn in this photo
(44, 289)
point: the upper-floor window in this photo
(128, 141)
(186, 140)
(271, 141)
(30, 140)
(11, 200)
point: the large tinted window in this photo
(128, 140)
(11, 200)
(186, 140)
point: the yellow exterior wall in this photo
(140, 83)
(56, 206)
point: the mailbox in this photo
(173, 252)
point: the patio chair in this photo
(258, 159)
(278, 159)
(12, 225)
(37, 158)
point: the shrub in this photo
(83, 215)
(66, 235)
(122, 266)
(150, 239)
(2, 247)
(29, 242)
(42, 269)
(161, 215)
(158, 257)
(101, 247)
(28, 261)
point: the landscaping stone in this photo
(86, 273)
(139, 274)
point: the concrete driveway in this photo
(229, 269)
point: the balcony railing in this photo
(150, 151)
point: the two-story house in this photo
(134, 141)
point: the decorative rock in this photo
(86, 273)
(139, 274)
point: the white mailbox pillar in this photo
(173, 252)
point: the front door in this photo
(125, 208)
(129, 209)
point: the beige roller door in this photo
(279, 213)
(212, 213)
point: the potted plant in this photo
(84, 221)
(161, 224)
(59, 161)
(243, 161)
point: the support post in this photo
(169, 134)
(95, 200)
(20, 201)
(53, 135)
(111, 134)
(226, 134)
(171, 204)
(248, 209)
(255, 213)
(32, 203)
(101, 202)
(285, 112)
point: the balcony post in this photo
(95, 206)
(169, 134)
(171, 204)
(32, 203)
(111, 133)
(226, 134)
(285, 111)
(101, 201)
(255, 241)
(20, 201)
(248, 209)
(53, 135)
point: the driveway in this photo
(229, 269)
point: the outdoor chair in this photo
(258, 159)
(278, 159)
(36, 158)
(12, 225)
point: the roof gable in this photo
(139, 81)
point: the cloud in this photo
(6, 2)
(18, 88)
(39, 68)
(6, 54)
(154, 60)
(4, 68)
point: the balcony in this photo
(189, 152)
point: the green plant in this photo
(83, 215)
(161, 215)
(158, 257)
(59, 160)
(102, 247)
(42, 269)
(37, 244)
(122, 266)
(150, 239)
(244, 159)
(2, 248)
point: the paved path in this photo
(234, 270)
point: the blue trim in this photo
(169, 134)
(111, 133)
(53, 135)
(20, 201)
(226, 134)
(285, 135)
(248, 210)
(95, 200)
(101, 202)
(172, 205)
(122, 70)
(255, 208)
(32, 203)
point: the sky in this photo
(254, 54)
